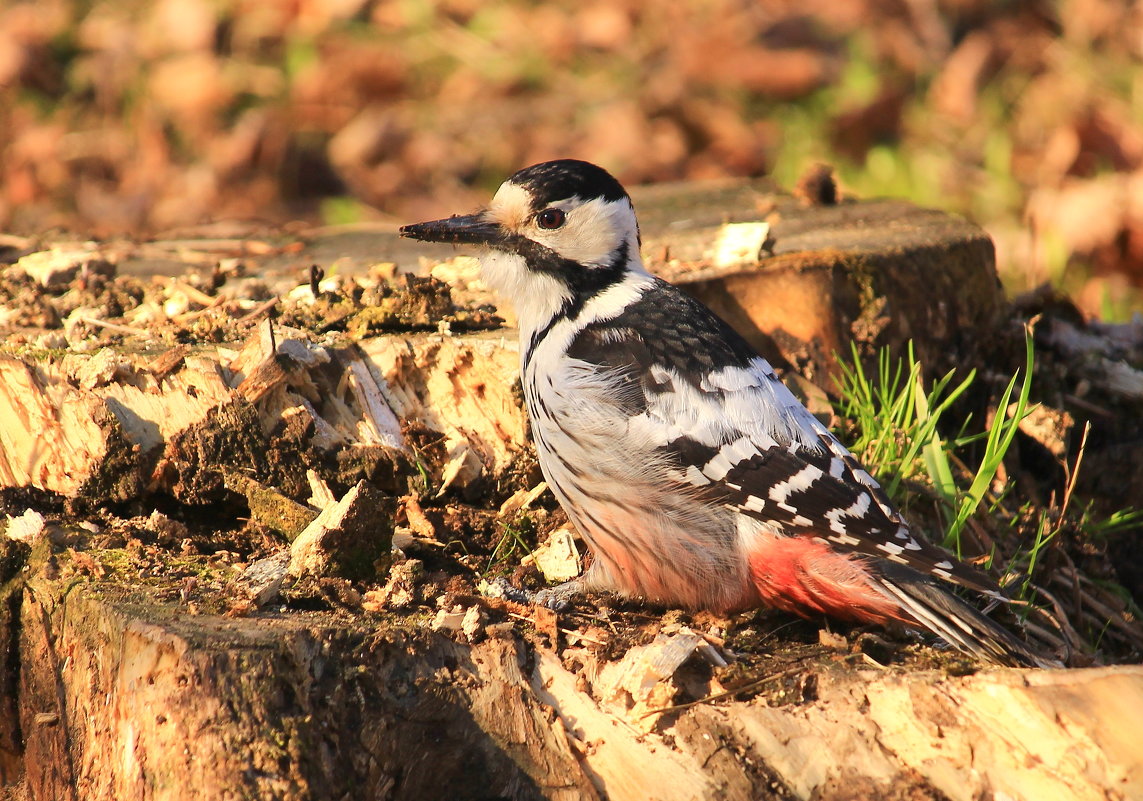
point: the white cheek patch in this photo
(594, 230)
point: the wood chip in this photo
(321, 496)
(642, 680)
(347, 538)
(547, 622)
(420, 525)
(168, 362)
(262, 580)
(379, 424)
(522, 499)
(740, 243)
(558, 557)
(28, 527)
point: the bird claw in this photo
(553, 598)
(556, 598)
(559, 597)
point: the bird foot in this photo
(556, 598)
(559, 597)
(500, 587)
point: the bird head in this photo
(554, 235)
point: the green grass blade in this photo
(1000, 435)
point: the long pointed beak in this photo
(467, 229)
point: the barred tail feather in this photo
(933, 608)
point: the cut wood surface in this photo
(125, 696)
(296, 656)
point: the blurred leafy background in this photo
(143, 118)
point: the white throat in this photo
(536, 297)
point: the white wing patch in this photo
(802, 480)
(754, 503)
(858, 509)
(746, 416)
(717, 468)
(742, 411)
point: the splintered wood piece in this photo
(270, 358)
(1023, 734)
(643, 680)
(61, 438)
(345, 539)
(152, 412)
(94, 424)
(460, 386)
(267, 375)
(83, 425)
(321, 496)
(168, 361)
(379, 425)
(46, 442)
(628, 764)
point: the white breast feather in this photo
(630, 483)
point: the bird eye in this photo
(551, 218)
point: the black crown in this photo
(558, 180)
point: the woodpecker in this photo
(694, 475)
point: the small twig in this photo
(725, 693)
(579, 634)
(1072, 476)
(1108, 615)
(1072, 638)
(114, 327)
(187, 317)
(1087, 595)
(193, 293)
(1046, 636)
(258, 311)
(1075, 584)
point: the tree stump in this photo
(137, 664)
(125, 695)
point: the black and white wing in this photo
(697, 393)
